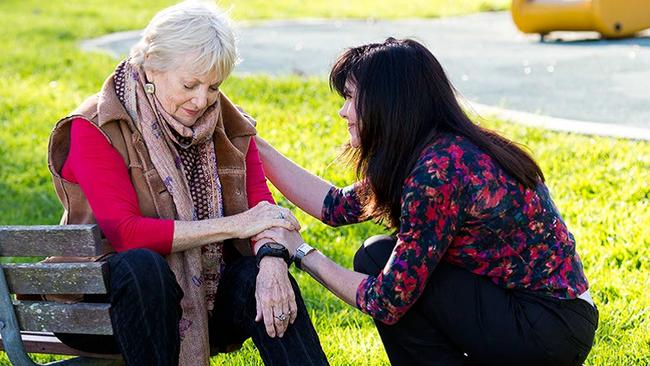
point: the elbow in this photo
(384, 312)
(330, 223)
(390, 321)
(117, 240)
(332, 220)
(392, 317)
(120, 233)
(129, 230)
(325, 218)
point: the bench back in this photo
(34, 279)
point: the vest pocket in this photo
(160, 197)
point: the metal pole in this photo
(84, 361)
(13, 343)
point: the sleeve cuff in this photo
(328, 203)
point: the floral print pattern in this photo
(459, 206)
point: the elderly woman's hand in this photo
(262, 217)
(276, 301)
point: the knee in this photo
(143, 270)
(373, 254)
(137, 262)
(242, 273)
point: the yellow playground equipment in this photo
(611, 18)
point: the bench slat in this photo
(47, 240)
(38, 342)
(84, 318)
(56, 278)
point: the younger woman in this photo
(482, 269)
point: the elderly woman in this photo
(166, 166)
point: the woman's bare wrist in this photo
(273, 261)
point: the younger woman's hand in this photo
(291, 239)
(262, 217)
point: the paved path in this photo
(488, 60)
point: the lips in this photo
(190, 112)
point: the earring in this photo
(149, 88)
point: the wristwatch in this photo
(301, 252)
(273, 249)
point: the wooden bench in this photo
(27, 326)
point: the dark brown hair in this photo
(403, 100)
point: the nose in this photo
(200, 100)
(343, 112)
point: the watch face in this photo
(276, 246)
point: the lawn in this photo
(599, 184)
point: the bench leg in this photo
(12, 342)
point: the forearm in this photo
(341, 281)
(192, 234)
(301, 187)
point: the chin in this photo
(186, 122)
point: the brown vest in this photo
(105, 111)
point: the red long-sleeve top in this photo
(104, 178)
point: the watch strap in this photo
(267, 250)
(301, 252)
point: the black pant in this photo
(464, 319)
(145, 312)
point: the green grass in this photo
(599, 184)
(257, 9)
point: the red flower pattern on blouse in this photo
(459, 206)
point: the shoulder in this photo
(446, 156)
(88, 108)
(447, 145)
(83, 131)
(450, 163)
(235, 122)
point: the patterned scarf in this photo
(185, 159)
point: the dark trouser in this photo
(233, 320)
(464, 319)
(145, 312)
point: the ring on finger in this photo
(281, 215)
(282, 317)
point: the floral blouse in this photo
(459, 206)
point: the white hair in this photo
(195, 28)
